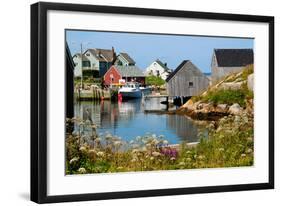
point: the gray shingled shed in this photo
(186, 81)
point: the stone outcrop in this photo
(250, 82)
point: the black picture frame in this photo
(39, 101)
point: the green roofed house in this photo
(99, 60)
(123, 59)
(159, 69)
(127, 73)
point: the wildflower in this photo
(188, 159)
(119, 168)
(83, 149)
(148, 145)
(73, 160)
(249, 151)
(117, 143)
(100, 154)
(172, 158)
(134, 151)
(151, 158)
(181, 164)
(156, 154)
(155, 142)
(188, 152)
(82, 170)
(92, 152)
(165, 142)
(144, 149)
(138, 138)
(201, 157)
(134, 160)
(221, 149)
(243, 155)
(97, 140)
(131, 142)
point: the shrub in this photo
(154, 80)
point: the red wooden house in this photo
(127, 73)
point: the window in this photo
(86, 64)
(190, 84)
(158, 73)
(88, 54)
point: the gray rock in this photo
(232, 85)
(235, 109)
(221, 108)
(250, 82)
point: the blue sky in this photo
(145, 48)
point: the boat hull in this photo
(131, 94)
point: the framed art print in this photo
(134, 102)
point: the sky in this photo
(146, 48)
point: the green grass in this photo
(154, 80)
(226, 97)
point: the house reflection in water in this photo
(185, 128)
(128, 120)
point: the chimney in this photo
(113, 55)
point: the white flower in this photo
(134, 160)
(100, 154)
(97, 140)
(151, 158)
(73, 160)
(188, 159)
(173, 159)
(82, 170)
(83, 149)
(92, 151)
(201, 157)
(249, 150)
(181, 164)
(221, 149)
(165, 142)
(243, 155)
(117, 143)
(156, 154)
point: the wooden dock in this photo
(92, 94)
(156, 96)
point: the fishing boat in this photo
(145, 90)
(130, 90)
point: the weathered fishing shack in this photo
(69, 83)
(186, 81)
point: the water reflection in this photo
(128, 120)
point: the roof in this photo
(130, 71)
(162, 65)
(234, 57)
(127, 57)
(104, 55)
(84, 57)
(186, 64)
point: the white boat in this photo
(145, 90)
(130, 90)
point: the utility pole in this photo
(81, 53)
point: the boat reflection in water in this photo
(127, 120)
